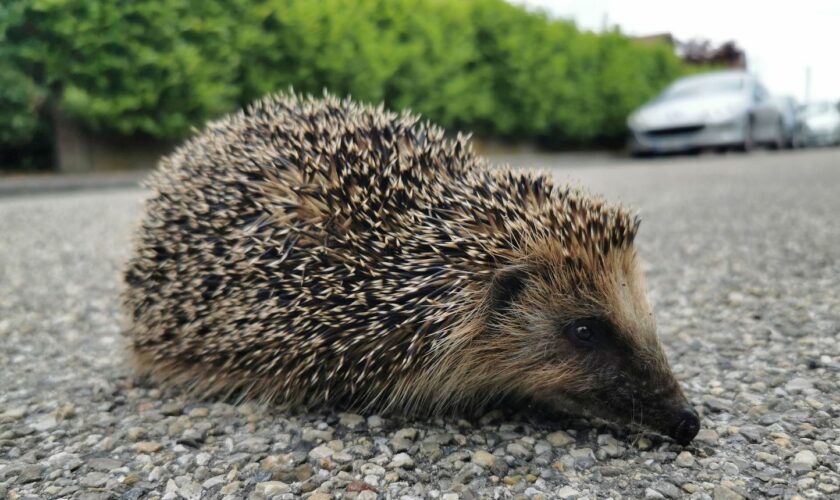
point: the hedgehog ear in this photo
(508, 282)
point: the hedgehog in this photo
(315, 251)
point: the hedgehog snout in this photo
(686, 426)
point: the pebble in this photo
(559, 438)
(268, 489)
(321, 452)
(707, 436)
(567, 493)
(351, 420)
(684, 459)
(484, 459)
(148, 446)
(651, 493)
(518, 451)
(401, 460)
(408, 433)
(721, 492)
(136, 433)
(804, 460)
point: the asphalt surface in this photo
(742, 255)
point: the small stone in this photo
(730, 469)
(721, 492)
(94, 479)
(230, 488)
(314, 435)
(799, 384)
(321, 452)
(199, 412)
(45, 423)
(401, 461)
(357, 486)
(373, 470)
(644, 443)
(767, 457)
(401, 444)
(668, 489)
(559, 438)
(135, 433)
(103, 464)
(708, 436)
(270, 488)
(567, 493)
(351, 420)
(431, 451)
(67, 411)
(651, 493)
(684, 459)
(803, 461)
(511, 480)
(13, 413)
(469, 472)
(172, 409)
(30, 474)
(213, 482)
(483, 458)
(782, 440)
(754, 433)
(518, 451)
(584, 458)
(407, 433)
(375, 421)
(202, 458)
(691, 487)
(148, 446)
(828, 487)
(320, 495)
(717, 404)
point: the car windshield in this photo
(817, 108)
(704, 85)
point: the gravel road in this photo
(743, 262)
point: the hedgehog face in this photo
(579, 335)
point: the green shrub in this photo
(142, 66)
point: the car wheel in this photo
(779, 139)
(749, 141)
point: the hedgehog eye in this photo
(583, 332)
(586, 332)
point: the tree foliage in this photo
(160, 67)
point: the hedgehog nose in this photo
(687, 426)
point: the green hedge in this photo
(160, 67)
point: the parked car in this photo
(819, 125)
(721, 110)
(790, 118)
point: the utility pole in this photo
(807, 84)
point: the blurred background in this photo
(91, 86)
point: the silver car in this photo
(819, 125)
(721, 110)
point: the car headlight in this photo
(636, 121)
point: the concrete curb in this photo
(19, 185)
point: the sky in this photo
(782, 38)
